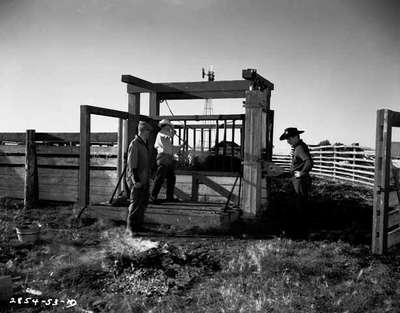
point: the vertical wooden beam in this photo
(242, 139)
(195, 187)
(185, 135)
(225, 129)
(202, 139)
(209, 139)
(84, 159)
(120, 165)
(154, 104)
(134, 103)
(270, 134)
(216, 137)
(382, 181)
(269, 151)
(233, 143)
(251, 193)
(194, 140)
(134, 110)
(125, 145)
(31, 180)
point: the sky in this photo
(333, 62)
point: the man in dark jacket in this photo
(301, 166)
(138, 176)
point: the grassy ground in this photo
(101, 269)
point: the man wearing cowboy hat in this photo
(301, 166)
(165, 160)
(138, 176)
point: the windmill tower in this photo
(208, 104)
(208, 107)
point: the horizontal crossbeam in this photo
(189, 90)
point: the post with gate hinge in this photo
(256, 108)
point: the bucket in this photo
(28, 233)
(6, 288)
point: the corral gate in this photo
(386, 214)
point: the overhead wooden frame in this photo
(199, 90)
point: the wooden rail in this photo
(347, 163)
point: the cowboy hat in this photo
(165, 122)
(290, 132)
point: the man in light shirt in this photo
(165, 161)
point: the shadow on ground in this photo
(337, 211)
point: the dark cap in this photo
(143, 126)
(290, 132)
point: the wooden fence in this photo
(347, 163)
(57, 163)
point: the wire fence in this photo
(348, 163)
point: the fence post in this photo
(382, 181)
(31, 189)
(120, 152)
(84, 157)
(255, 105)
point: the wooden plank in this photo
(203, 95)
(51, 172)
(73, 161)
(12, 159)
(31, 178)
(257, 80)
(106, 112)
(84, 159)
(208, 126)
(213, 117)
(141, 84)
(154, 104)
(60, 181)
(189, 90)
(218, 188)
(394, 217)
(206, 173)
(181, 194)
(393, 199)
(395, 119)
(393, 237)
(12, 193)
(98, 137)
(205, 190)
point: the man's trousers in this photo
(139, 201)
(164, 172)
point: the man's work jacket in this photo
(138, 163)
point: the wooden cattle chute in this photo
(386, 214)
(255, 148)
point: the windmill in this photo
(208, 104)
(208, 107)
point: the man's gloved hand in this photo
(297, 174)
